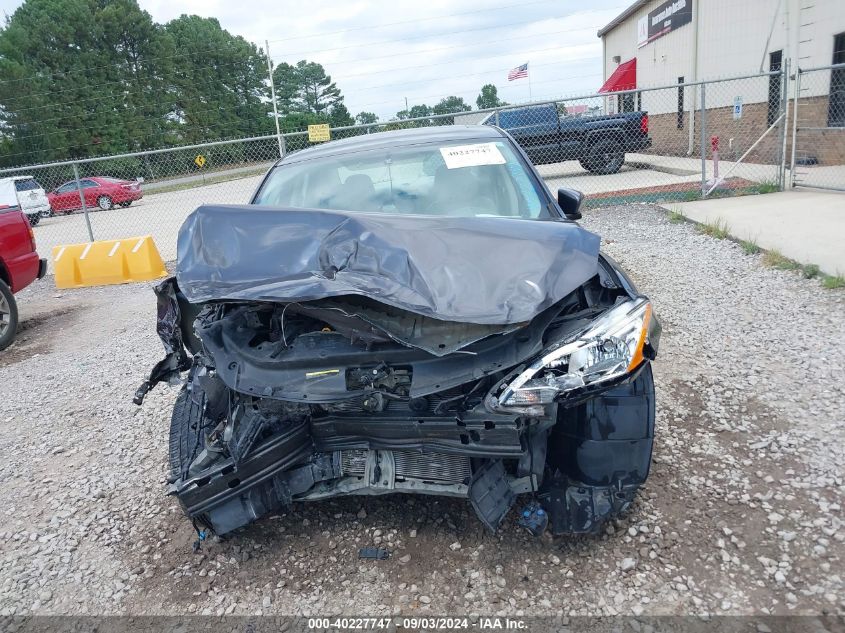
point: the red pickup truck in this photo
(19, 262)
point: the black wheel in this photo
(604, 157)
(125, 204)
(8, 316)
(185, 429)
(34, 219)
(105, 203)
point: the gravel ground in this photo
(742, 513)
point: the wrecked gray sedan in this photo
(405, 312)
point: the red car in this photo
(19, 261)
(100, 193)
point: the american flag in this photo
(518, 73)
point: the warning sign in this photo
(199, 161)
(319, 133)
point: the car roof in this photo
(397, 138)
(14, 178)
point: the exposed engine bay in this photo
(349, 394)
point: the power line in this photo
(482, 72)
(417, 20)
(440, 94)
(416, 37)
(459, 46)
(88, 69)
(163, 114)
(56, 93)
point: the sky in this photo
(381, 53)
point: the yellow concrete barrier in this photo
(108, 262)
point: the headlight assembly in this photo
(609, 347)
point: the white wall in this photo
(732, 41)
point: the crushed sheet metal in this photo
(442, 267)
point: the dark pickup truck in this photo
(599, 143)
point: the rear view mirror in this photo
(569, 202)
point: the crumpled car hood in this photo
(467, 269)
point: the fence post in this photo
(702, 122)
(784, 110)
(794, 126)
(496, 113)
(82, 200)
(279, 137)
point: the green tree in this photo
(82, 78)
(339, 116)
(489, 98)
(420, 111)
(448, 105)
(305, 87)
(366, 118)
(219, 82)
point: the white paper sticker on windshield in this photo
(472, 155)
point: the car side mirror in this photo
(569, 202)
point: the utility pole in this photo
(406, 105)
(279, 136)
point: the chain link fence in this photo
(818, 128)
(673, 143)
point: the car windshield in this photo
(27, 185)
(449, 179)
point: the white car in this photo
(32, 198)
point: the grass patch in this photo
(749, 247)
(810, 271)
(767, 187)
(691, 196)
(717, 229)
(676, 217)
(832, 282)
(776, 259)
(208, 180)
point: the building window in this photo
(775, 60)
(836, 103)
(680, 103)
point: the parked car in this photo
(406, 311)
(19, 261)
(101, 193)
(30, 197)
(599, 143)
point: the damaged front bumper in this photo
(276, 410)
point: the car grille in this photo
(434, 467)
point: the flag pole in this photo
(528, 68)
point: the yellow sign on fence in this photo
(319, 133)
(199, 161)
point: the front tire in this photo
(34, 219)
(604, 157)
(105, 203)
(185, 434)
(125, 204)
(8, 316)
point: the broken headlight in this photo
(609, 347)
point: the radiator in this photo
(439, 467)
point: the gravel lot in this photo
(742, 513)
